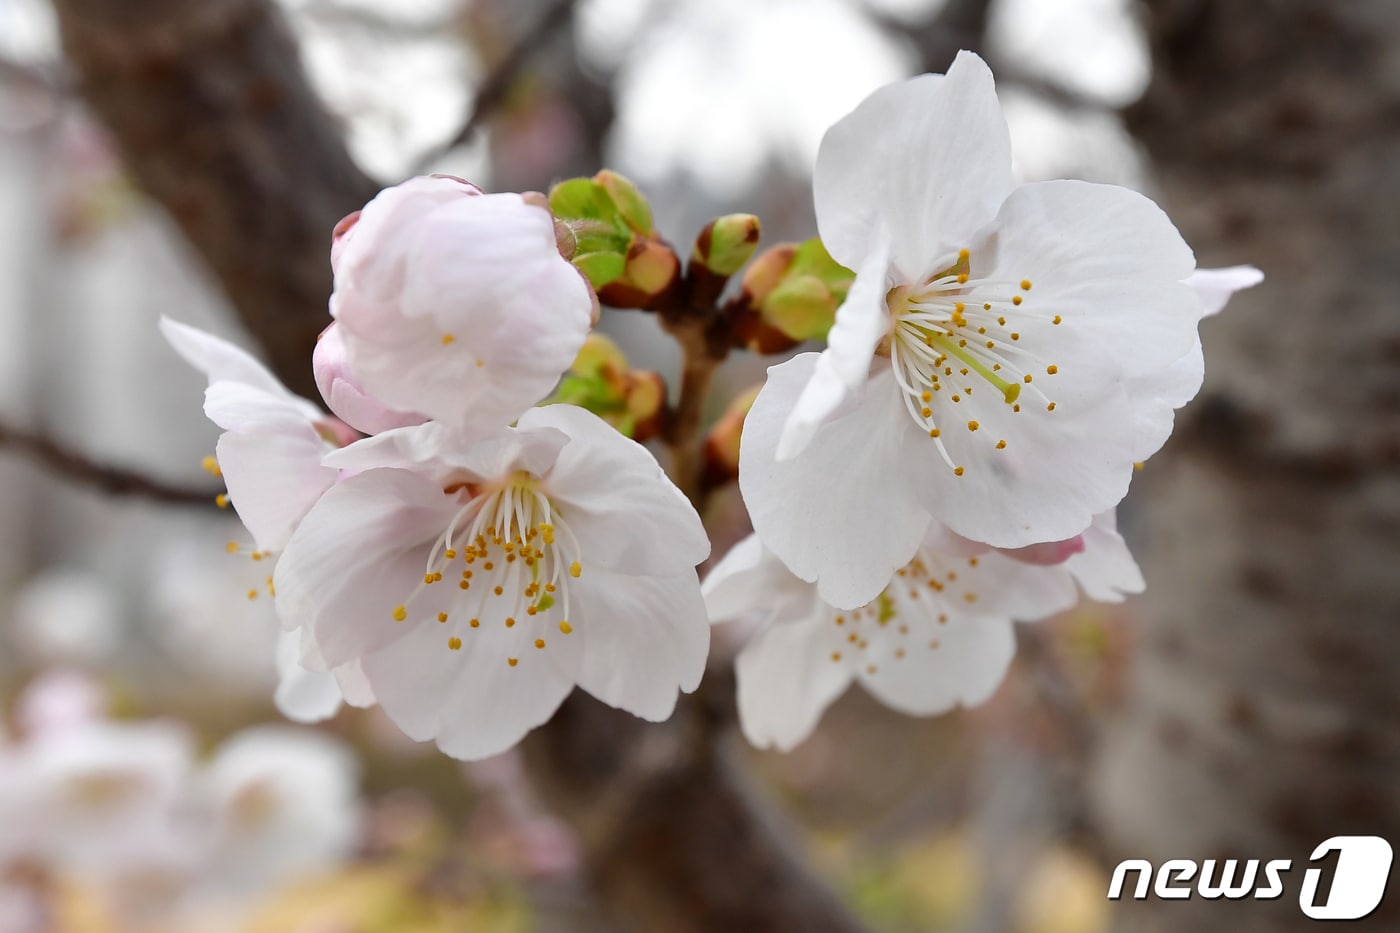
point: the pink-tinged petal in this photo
(787, 679)
(1106, 570)
(357, 555)
(842, 513)
(1107, 260)
(343, 393)
(1048, 553)
(302, 695)
(472, 700)
(357, 255)
(468, 314)
(625, 512)
(930, 157)
(644, 639)
(843, 367)
(354, 686)
(1215, 287)
(273, 480)
(968, 663)
(218, 359)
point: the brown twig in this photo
(113, 481)
(493, 91)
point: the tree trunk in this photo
(1266, 711)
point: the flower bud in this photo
(627, 200)
(650, 274)
(614, 243)
(455, 304)
(632, 401)
(726, 243)
(343, 394)
(722, 441)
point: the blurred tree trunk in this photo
(1266, 714)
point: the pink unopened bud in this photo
(343, 393)
(1048, 553)
(339, 233)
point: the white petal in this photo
(302, 695)
(787, 679)
(843, 367)
(930, 156)
(238, 406)
(273, 480)
(1106, 569)
(1216, 286)
(218, 359)
(1107, 260)
(354, 686)
(644, 638)
(996, 585)
(750, 583)
(357, 555)
(842, 513)
(472, 701)
(970, 662)
(1155, 397)
(626, 513)
(1058, 469)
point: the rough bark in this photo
(217, 122)
(1266, 715)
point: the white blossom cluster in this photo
(949, 464)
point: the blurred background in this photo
(165, 158)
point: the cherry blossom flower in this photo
(477, 581)
(457, 304)
(270, 453)
(1003, 358)
(270, 456)
(940, 635)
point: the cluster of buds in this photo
(606, 230)
(790, 295)
(631, 400)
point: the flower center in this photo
(952, 333)
(512, 556)
(907, 616)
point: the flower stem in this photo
(699, 360)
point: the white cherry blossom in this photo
(270, 457)
(1004, 357)
(939, 635)
(478, 581)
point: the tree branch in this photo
(494, 89)
(114, 481)
(217, 121)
